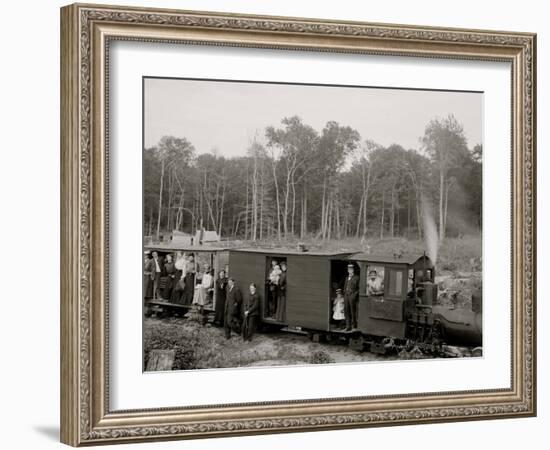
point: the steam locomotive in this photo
(402, 313)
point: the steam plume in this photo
(431, 239)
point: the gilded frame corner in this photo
(86, 31)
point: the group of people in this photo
(180, 281)
(236, 313)
(344, 308)
(276, 289)
(183, 281)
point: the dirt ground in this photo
(265, 349)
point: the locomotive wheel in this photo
(357, 343)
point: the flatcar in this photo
(216, 257)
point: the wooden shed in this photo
(309, 282)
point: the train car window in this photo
(396, 282)
(375, 280)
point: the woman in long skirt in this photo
(170, 274)
(205, 282)
(179, 282)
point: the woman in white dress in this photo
(205, 283)
(338, 308)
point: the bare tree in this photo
(444, 141)
(171, 151)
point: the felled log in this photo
(160, 360)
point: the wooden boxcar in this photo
(311, 282)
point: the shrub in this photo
(320, 357)
(183, 339)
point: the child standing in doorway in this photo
(338, 308)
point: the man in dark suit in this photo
(149, 275)
(351, 297)
(158, 270)
(232, 310)
(281, 295)
(221, 292)
(251, 312)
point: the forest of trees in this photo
(298, 182)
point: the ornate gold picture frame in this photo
(86, 34)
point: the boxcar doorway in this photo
(274, 287)
(338, 274)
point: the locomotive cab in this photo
(390, 288)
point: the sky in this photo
(226, 116)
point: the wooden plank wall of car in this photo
(248, 268)
(308, 282)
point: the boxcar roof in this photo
(184, 248)
(390, 259)
(286, 251)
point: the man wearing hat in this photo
(251, 312)
(374, 284)
(233, 307)
(351, 296)
(281, 295)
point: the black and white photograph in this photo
(294, 224)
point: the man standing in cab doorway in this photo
(351, 296)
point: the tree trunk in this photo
(293, 206)
(246, 209)
(447, 187)
(382, 220)
(366, 199)
(151, 221)
(160, 197)
(441, 215)
(329, 218)
(408, 213)
(277, 198)
(220, 228)
(323, 209)
(261, 202)
(418, 215)
(254, 200)
(359, 216)
(261, 206)
(303, 228)
(337, 216)
(392, 213)
(169, 218)
(285, 210)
